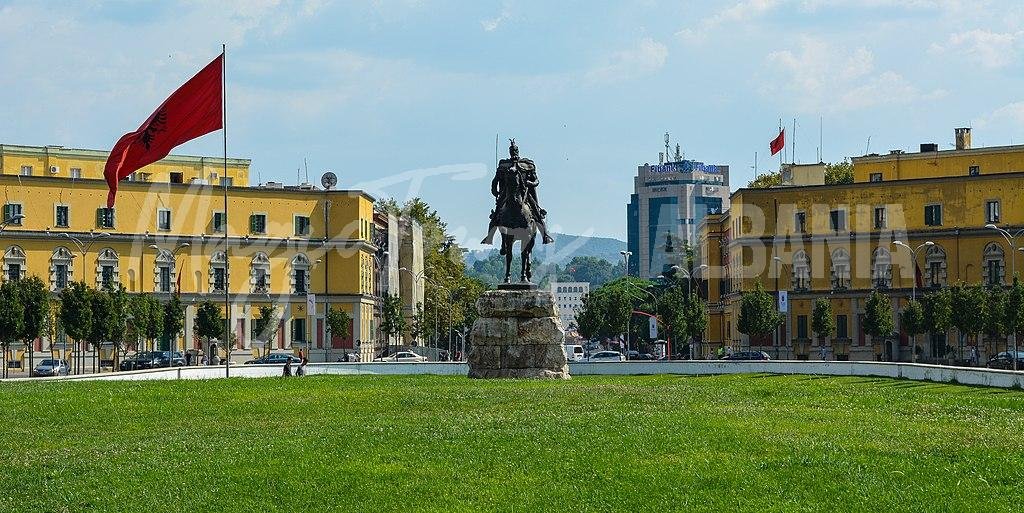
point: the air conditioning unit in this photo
(54, 170)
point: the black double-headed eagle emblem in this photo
(156, 125)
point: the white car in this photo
(607, 356)
(403, 357)
(574, 353)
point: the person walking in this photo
(303, 360)
(287, 372)
(823, 352)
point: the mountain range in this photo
(564, 248)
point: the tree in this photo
(995, 312)
(209, 322)
(173, 321)
(766, 181)
(12, 317)
(76, 313)
(120, 310)
(339, 322)
(393, 322)
(696, 318)
(968, 304)
(913, 322)
(878, 319)
(672, 310)
(758, 315)
(103, 321)
(147, 318)
(938, 314)
(839, 173)
(416, 326)
(823, 322)
(35, 300)
(589, 318)
(266, 326)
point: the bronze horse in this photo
(516, 222)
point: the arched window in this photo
(840, 269)
(164, 271)
(218, 272)
(993, 264)
(881, 268)
(14, 264)
(801, 271)
(108, 274)
(60, 269)
(259, 274)
(934, 266)
(300, 274)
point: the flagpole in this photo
(224, 186)
(782, 150)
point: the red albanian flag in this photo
(779, 142)
(195, 109)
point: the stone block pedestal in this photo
(518, 335)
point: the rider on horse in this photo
(525, 172)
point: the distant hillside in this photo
(565, 248)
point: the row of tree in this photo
(607, 311)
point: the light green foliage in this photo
(758, 313)
(823, 321)
(912, 318)
(878, 316)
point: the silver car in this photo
(51, 367)
(607, 356)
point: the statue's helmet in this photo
(513, 150)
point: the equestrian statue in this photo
(517, 214)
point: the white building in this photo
(569, 300)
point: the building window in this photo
(258, 223)
(992, 211)
(801, 326)
(14, 264)
(26, 170)
(62, 216)
(164, 271)
(107, 265)
(993, 264)
(300, 274)
(12, 210)
(301, 225)
(76, 173)
(105, 217)
(933, 215)
(837, 220)
(218, 222)
(218, 272)
(881, 268)
(177, 177)
(840, 269)
(298, 329)
(974, 170)
(935, 265)
(60, 269)
(800, 222)
(881, 220)
(163, 220)
(259, 274)
(875, 177)
(842, 327)
(227, 181)
(801, 271)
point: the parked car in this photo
(607, 356)
(747, 355)
(1004, 360)
(51, 367)
(152, 360)
(275, 359)
(403, 357)
(574, 352)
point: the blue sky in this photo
(405, 97)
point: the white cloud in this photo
(742, 11)
(1009, 116)
(646, 56)
(492, 24)
(820, 77)
(989, 49)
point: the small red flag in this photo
(195, 109)
(777, 143)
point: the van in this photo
(574, 352)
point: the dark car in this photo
(274, 359)
(637, 355)
(1004, 360)
(747, 355)
(152, 360)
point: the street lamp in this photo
(15, 219)
(629, 315)
(626, 254)
(1012, 241)
(913, 289)
(84, 249)
(689, 276)
(171, 345)
(778, 296)
(417, 276)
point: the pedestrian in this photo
(287, 368)
(974, 356)
(822, 352)
(303, 360)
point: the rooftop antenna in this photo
(868, 148)
(668, 151)
(298, 175)
(306, 165)
(679, 155)
(821, 139)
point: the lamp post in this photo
(1011, 239)
(172, 344)
(913, 287)
(778, 296)
(417, 276)
(629, 316)
(83, 248)
(626, 255)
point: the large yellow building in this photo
(167, 231)
(837, 241)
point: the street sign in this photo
(653, 326)
(310, 304)
(783, 301)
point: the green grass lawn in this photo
(721, 443)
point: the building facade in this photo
(166, 235)
(569, 300)
(669, 201)
(838, 242)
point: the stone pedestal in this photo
(518, 335)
